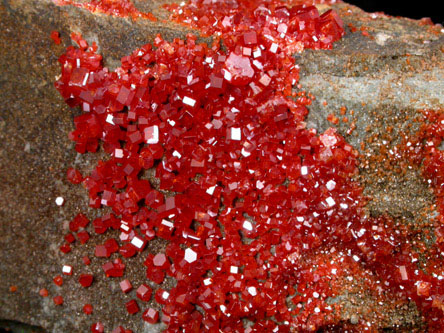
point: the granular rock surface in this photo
(377, 79)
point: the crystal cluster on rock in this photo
(120, 8)
(246, 191)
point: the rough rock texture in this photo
(395, 71)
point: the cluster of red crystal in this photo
(256, 192)
(268, 23)
(432, 133)
(424, 282)
(412, 269)
(222, 134)
(120, 8)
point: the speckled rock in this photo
(380, 79)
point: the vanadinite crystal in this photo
(74, 176)
(97, 328)
(151, 316)
(88, 309)
(86, 280)
(43, 292)
(246, 196)
(122, 8)
(55, 36)
(132, 307)
(58, 280)
(58, 300)
(126, 286)
(144, 292)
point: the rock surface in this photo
(395, 71)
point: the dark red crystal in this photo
(80, 221)
(86, 260)
(58, 300)
(121, 8)
(86, 280)
(87, 309)
(132, 307)
(83, 236)
(65, 248)
(58, 280)
(144, 292)
(97, 328)
(55, 36)
(70, 238)
(114, 268)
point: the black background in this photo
(412, 9)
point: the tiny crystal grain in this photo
(43, 292)
(58, 300)
(87, 309)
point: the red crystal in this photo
(87, 309)
(126, 286)
(161, 296)
(160, 260)
(58, 280)
(83, 236)
(238, 69)
(86, 280)
(100, 225)
(127, 250)
(55, 36)
(97, 328)
(111, 245)
(43, 292)
(58, 300)
(86, 260)
(132, 307)
(144, 292)
(74, 176)
(65, 248)
(80, 221)
(155, 275)
(250, 38)
(114, 269)
(151, 316)
(121, 8)
(70, 238)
